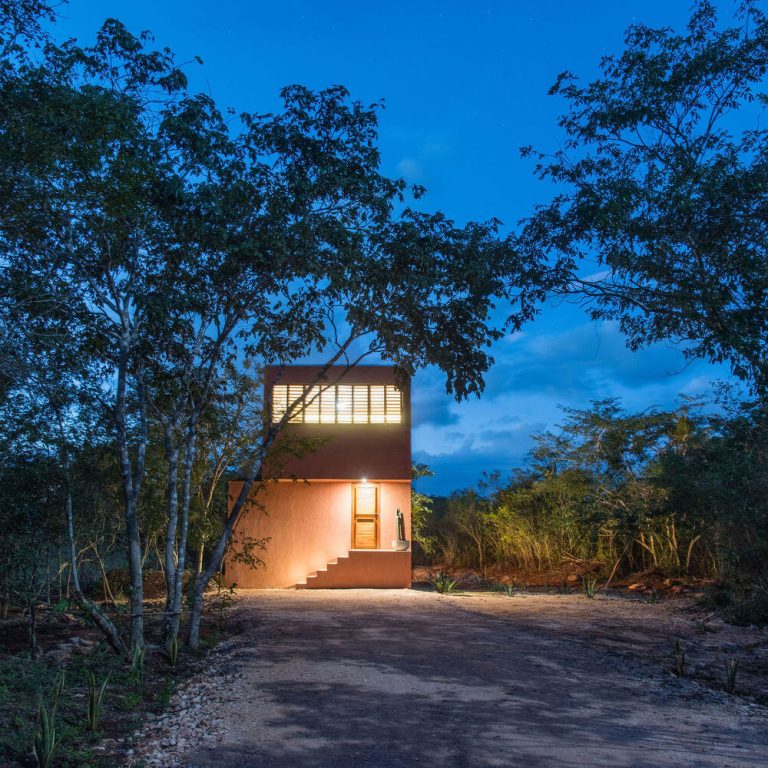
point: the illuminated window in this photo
(392, 405)
(378, 406)
(344, 404)
(360, 404)
(338, 404)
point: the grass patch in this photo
(62, 708)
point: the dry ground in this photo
(375, 679)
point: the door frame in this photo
(376, 489)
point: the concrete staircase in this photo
(372, 568)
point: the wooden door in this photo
(365, 517)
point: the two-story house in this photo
(329, 515)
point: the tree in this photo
(422, 514)
(661, 217)
(177, 242)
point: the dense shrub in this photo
(680, 492)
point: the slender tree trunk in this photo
(217, 555)
(102, 621)
(172, 495)
(131, 480)
(173, 613)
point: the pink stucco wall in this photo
(309, 524)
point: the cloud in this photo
(431, 405)
(411, 169)
(536, 373)
(587, 358)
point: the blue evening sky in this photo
(465, 86)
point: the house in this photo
(330, 514)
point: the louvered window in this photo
(338, 404)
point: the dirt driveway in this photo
(382, 679)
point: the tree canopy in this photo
(659, 217)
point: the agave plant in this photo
(45, 737)
(137, 668)
(173, 652)
(589, 584)
(443, 583)
(95, 700)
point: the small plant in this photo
(221, 602)
(62, 606)
(137, 668)
(45, 742)
(173, 652)
(58, 689)
(679, 658)
(731, 668)
(45, 737)
(654, 596)
(165, 693)
(443, 583)
(589, 585)
(95, 700)
(509, 588)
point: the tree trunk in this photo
(172, 496)
(173, 610)
(131, 482)
(217, 555)
(102, 621)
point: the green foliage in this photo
(508, 588)
(173, 652)
(95, 701)
(658, 186)
(166, 693)
(221, 601)
(62, 606)
(443, 583)
(421, 513)
(679, 492)
(137, 668)
(45, 737)
(589, 585)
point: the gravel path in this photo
(383, 679)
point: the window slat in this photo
(360, 406)
(344, 404)
(312, 406)
(394, 405)
(295, 392)
(339, 404)
(378, 405)
(279, 402)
